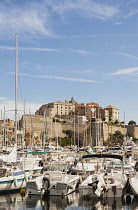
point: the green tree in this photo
(56, 120)
(116, 122)
(65, 141)
(117, 138)
(69, 133)
(132, 122)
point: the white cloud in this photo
(118, 23)
(84, 72)
(29, 48)
(57, 78)
(125, 71)
(132, 12)
(7, 48)
(3, 98)
(67, 79)
(38, 49)
(37, 17)
(83, 8)
(128, 55)
(28, 19)
(82, 52)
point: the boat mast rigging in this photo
(16, 86)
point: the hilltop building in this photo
(56, 108)
(91, 118)
(91, 110)
(113, 113)
(89, 123)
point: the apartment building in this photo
(104, 115)
(88, 110)
(113, 112)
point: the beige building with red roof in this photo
(90, 110)
(56, 108)
(113, 113)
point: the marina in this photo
(59, 184)
(68, 100)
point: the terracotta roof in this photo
(93, 104)
(80, 105)
(59, 102)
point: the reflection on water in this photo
(70, 202)
(11, 201)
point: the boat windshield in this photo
(59, 167)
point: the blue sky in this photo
(86, 49)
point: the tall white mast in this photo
(74, 126)
(124, 125)
(16, 87)
(78, 132)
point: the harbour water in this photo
(16, 201)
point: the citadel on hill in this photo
(86, 124)
(68, 108)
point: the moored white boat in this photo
(92, 186)
(133, 180)
(53, 182)
(109, 182)
(11, 179)
(59, 183)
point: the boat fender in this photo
(15, 181)
(22, 192)
(46, 183)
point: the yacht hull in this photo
(12, 183)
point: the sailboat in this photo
(11, 156)
(11, 177)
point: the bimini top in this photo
(120, 157)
